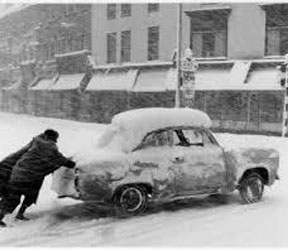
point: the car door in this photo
(151, 162)
(198, 162)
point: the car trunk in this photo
(63, 182)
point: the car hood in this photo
(91, 162)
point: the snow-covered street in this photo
(206, 222)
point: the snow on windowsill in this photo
(74, 53)
(127, 65)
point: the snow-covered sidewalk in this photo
(207, 222)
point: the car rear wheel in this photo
(251, 188)
(131, 200)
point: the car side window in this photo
(155, 139)
(206, 139)
(193, 137)
(179, 139)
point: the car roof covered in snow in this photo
(131, 126)
(149, 119)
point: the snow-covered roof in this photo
(120, 80)
(128, 128)
(14, 8)
(68, 82)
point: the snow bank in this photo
(195, 223)
(128, 128)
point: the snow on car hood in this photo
(88, 159)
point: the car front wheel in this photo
(131, 200)
(251, 188)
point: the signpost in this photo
(179, 42)
(284, 69)
(188, 69)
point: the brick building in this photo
(39, 31)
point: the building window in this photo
(111, 47)
(69, 9)
(52, 49)
(69, 42)
(125, 10)
(276, 29)
(153, 7)
(153, 43)
(208, 43)
(111, 11)
(125, 46)
(58, 45)
(208, 32)
(36, 34)
(82, 39)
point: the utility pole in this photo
(179, 43)
(284, 69)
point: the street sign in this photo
(188, 84)
(188, 68)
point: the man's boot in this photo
(2, 224)
(21, 217)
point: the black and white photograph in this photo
(143, 124)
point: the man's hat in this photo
(51, 134)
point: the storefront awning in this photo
(68, 82)
(44, 84)
(15, 86)
(213, 78)
(155, 80)
(264, 78)
(247, 77)
(206, 78)
(113, 80)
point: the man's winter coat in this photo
(41, 159)
(7, 164)
(10, 161)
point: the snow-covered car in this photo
(162, 154)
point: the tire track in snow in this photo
(70, 229)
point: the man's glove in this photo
(70, 164)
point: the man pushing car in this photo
(23, 172)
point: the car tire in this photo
(131, 200)
(251, 188)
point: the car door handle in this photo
(178, 159)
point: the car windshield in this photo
(107, 137)
(114, 138)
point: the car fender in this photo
(241, 160)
